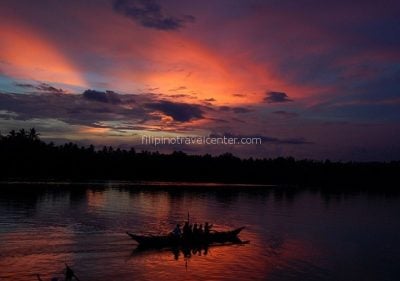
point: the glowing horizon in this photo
(326, 76)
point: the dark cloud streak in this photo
(149, 14)
(285, 114)
(105, 97)
(181, 112)
(70, 108)
(238, 110)
(276, 97)
(42, 87)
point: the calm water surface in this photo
(294, 235)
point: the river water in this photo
(293, 234)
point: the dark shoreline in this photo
(27, 158)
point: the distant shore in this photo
(26, 158)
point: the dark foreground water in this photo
(294, 235)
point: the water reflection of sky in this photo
(293, 235)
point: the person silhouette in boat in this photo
(195, 231)
(207, 228)
(200, 230)
(177, 232)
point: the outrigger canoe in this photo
(215, 237)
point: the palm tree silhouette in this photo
(33, 135)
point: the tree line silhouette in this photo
(24, 156)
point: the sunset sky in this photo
(313, 79)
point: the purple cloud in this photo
(276, 97)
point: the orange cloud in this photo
(29, 55)
(176, 61)
(132, 59)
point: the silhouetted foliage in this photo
(25, 157)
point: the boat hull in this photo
(173, 241)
